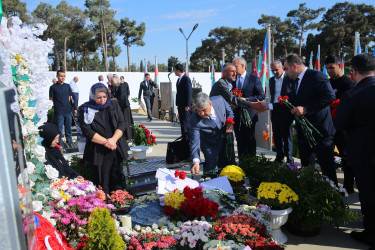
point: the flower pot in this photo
(279, 218)
(149, 150)
(139, 152)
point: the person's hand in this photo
(187, 108)
(233, 106)
(243, 98)
(114, 99)
(195, 168)
(259, 106)
(230, 129)
(75, 112)
(299, 110)
(139, 100)
(111, 144)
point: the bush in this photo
(102, 232)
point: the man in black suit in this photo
(356, 116)
(252, 91)
(281, 118)
(183, 99)
(340, 84)
(147, 87)
(311, 96)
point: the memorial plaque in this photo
(166, 95)
(155, 106)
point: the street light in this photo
(187, 39)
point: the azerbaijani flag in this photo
(255, 70)
(317, 61)
(310, 62)
(156, 73)
(186, 69)
(222, 68)
(342, 65)
(264, 68)
(359, 51)
(325, 70)
(212, 74)
(366, 49)
(259, 67)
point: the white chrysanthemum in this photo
(51, 172)
(37, 205)
(30, 167)
(55, 194)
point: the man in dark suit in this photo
(252, 91)
(340, 84)
(311, 96)
(183, 99)
(356, 116)
(281, 118)
(207, 129)
(147, 87)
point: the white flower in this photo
(23, 177)
(51, 172)
(22, 89)
(30, 167)
(29, 113)
(61, 203)
(23, 98)
(148, 229)
(23, 104)
(55, 194)
(13, 62)
(37, 205)
(137, 227)
(31, 183)
(38, 151)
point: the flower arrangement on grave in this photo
(276, 195)
(306, 127)
(260, 212)
(244, 113)
(193, 234)
(334, 106)
(180, 174)
(142, 136)
(234, 173)
(222, 245)
(120, 199)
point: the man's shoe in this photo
(149, 120)
(363, 237)
(279, 160)
(349, 190)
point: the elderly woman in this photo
(50, 134)
(102, 123)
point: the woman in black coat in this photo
(102, 123)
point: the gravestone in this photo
(155, 106)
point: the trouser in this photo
(61, 121)
(184, 122)
(245, 137)
(111, 172)
(149, 101)
(75, 100)
(339, 140)
(364, 177)
(282, 134)
(324, 153)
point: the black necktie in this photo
(295, 85)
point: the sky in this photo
(164, 18)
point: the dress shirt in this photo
(229, 85)
(74, 86)
(240, 81)
(278, 86)
(179, 78)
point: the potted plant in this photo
(143, 139)
(121, 200)
(280, 198)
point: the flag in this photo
(366, 49)
(255, 70)
(317, 61)
(259, 67)
(156, 80)
(325, 70)
(359, 51)
(1, 11)
(342, 64)
(212, 74)
(264, 68)
(310, 62)
(222, 68)
(186, 69)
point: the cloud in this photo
(196, 14)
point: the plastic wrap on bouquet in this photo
(167, 182)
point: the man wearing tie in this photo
(207, 129)
(183, 99)
(281, 118)
(147, 87)
(252, 91)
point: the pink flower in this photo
(65, 221)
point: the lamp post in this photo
(187, 52)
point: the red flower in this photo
(229, 120)
(149, 142)
(169, 210)
(285, 97)
(142, 126)
(182, 175)
(147, 131)
(148, 135)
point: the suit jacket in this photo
(252, 90)
(122, 95)
(147, 89)
(94, 152)
(184, 90)
(204, 134)
(355, 115)
(221, 88)
(315, 94)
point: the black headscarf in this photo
(54, 156)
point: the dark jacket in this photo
(184, 90)
(122, 94)
(221, 88)
(147, 89)
(94, 153)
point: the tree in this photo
(172, 61)
(113, 49)
(95, 64)
(141, 66)
(303, 18)
(162, 67)
(284, 38)
(133, 35)
(274, 22)
(15, 8)
(99, 14)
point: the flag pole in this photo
(268, 86)
(356, 38)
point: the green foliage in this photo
(15, 8)
(50, 116)
(172, 61)
(142, 136)
(102, 232)
(85, 169)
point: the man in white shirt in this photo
(75, 92)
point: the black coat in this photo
(355, 115)
(122, 94)
(94, 153)
(184, 90)
(147, 89)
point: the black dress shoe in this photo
(363, 237)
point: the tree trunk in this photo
(105, 47)
(56, 54)
(286, 50)
(113, 53)
(64, 62)
(300, 41)
(273, 47)
(127, 47)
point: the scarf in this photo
(90, 108)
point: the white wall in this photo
(87, 79)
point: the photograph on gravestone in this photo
(15, 163)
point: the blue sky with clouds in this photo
(164, 18)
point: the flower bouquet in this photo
(334, 106)
(142, 136)
(121, 199)
(244, 113)
(229, 144)
(193, 234)
(276, 195)
(306, 127)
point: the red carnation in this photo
(149, 142)
(148, 135)
(176, 173)
(182, 175)
(229, 121)
(285, 97)
(147, 131)
(142, 126)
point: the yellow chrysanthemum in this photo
(234, 173)
(174, 199)
(280, 193)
